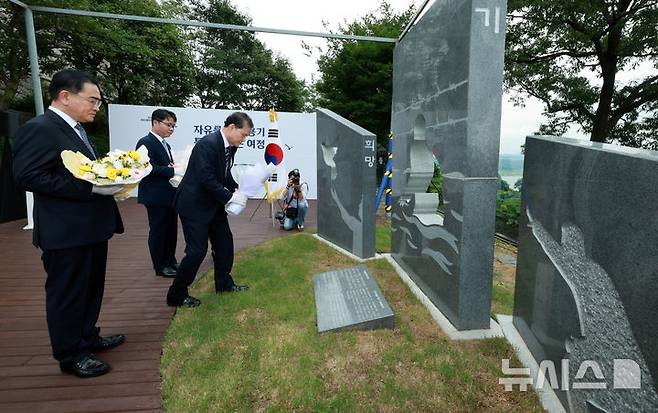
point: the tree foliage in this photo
(147, 63)
(235, 70)
(14, 62)
(136, 63)
(436, 184)
(508, 210)
(570, 55)
(357, 76)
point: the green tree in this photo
(569, 55)
(436, 185)
(14, 61)
(12, 65)
(235, 70)
(357, 76)
(508, 210)
(136, 63)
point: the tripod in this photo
(271, 209)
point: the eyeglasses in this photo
(94, 101)
(170, 125)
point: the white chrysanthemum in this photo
(99, 170)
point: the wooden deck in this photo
(134, 304)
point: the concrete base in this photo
(547, 396)
(346, 252)
(443, 322)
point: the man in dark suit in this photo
(202, 196)
(73, 220)
(157, 194)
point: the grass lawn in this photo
(383, 237)
(259, 351)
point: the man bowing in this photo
(201, 199)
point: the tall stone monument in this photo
(586, 294)
(346, 184)
(447, 90)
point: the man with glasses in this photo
(73, 220)
(201, 199)
(157, 194)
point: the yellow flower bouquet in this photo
(116, 168)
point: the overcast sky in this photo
(307, 15)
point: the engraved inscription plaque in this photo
(350, 299)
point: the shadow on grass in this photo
(383, 237)
(260, 351)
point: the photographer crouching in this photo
(295, 203)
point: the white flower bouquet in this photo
(182, 158)
(116, 168)
(251, 184)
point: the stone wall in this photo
(587, 269)
(447, 89)
(346, 184)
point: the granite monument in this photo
(447, 89)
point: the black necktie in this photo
(85, 139)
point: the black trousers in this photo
(74, 293)
(163, 234)
(197, 235)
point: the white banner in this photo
(129, 123)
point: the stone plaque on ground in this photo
(350, 299)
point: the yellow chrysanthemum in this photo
(135, 155)
(125, 172)
(111, 173)
(85, 167)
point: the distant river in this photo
(511, 179)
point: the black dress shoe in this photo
(166, 272)
(188, 301)
(233, 289)
(87, 367)
(107, 342)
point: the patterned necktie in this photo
(168, 150)
(227, 159)
(85, 139)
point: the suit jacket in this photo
(66, 213)
(206, 187)
(155, 189)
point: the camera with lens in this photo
(294, 176)
(280, 216)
